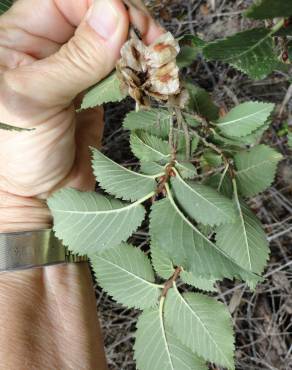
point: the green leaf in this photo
(155, 121)
(252, 139)
(186, 246)
(190, 47)
(250, 51)
(221, 184)
(245, 118)
(157, 348)
(5, 5)
(90, 222)
(5, 127)
(289, 138)
(151, 168)
(201, 102)
(119, 181)
(245, 240)
(198, 282)
(212, 159)
(164, 267)
(263, 9)
(203, 203)
(161, 262)
(202, 324)
(126, 274)
(256, 169)
(149, 148)
(186, 170)
(108, 90)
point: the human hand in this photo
(51, 51)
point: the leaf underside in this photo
(147, 147)
(245, 118)
(245, 240)
(119, 181)
(256, 169)
(203, 325)
(126, 274)
(108, 90)
(157, 348)
(187, 247)
(90, 223)
(203, 203)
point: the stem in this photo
(172, 143)
(170, 283)
(182, 122)
(223, 175)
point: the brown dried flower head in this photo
(151, 71)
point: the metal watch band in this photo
(24, 250)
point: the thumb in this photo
(90, 55)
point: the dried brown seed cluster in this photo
(151, 71)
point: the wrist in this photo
(22, 214)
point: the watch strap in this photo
(29, 249)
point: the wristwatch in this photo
(24, 250)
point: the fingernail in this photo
(103, 18)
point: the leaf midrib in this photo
(201, 322)
(152, 149)
(219, 250)
(273, 159)
(242, 118)
(128, 272)
(200, 196)
(121, 168)
(249, 50)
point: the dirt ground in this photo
(262, 319)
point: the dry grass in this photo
(262, 318)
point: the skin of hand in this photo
(50, 52)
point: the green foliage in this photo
(202, 324)
(5, 5)
(127, 275)
(201, 102)
(190, 46)
(251, 51)
(263, 9)
(199, 283)
(149, 148)
(106, 91)
(154, 121)
(119, 181)
(245, 119)
(203, 203)
(194, 167)
(289, 140)
(256, 169)
(245, 240)
(89, 222)
(157, 347)
(196, 253)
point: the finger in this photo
(41, 32)
(142, 20)
(89, 56)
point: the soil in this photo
(262, 319)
